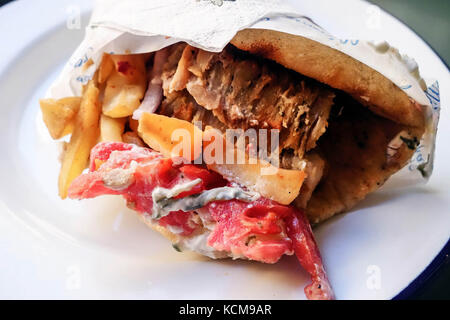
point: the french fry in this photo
(88, 63)
(125, 86)
(282, 186)
(84, 137)
(106, 68)
(59, 115)
(170, 136)
(111, 129)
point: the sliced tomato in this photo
(281, 229)
(101, 152)
(150, 170)
(307, 252)
(210, 179)
(262, 230)
(181, 220)
(252, 230)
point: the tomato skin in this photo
(260, 218)
(307, 252)
(179, 219)
(123, 66)
(102, 152)
(210, 179)
(152, 171)
(241, 226)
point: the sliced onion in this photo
(154, 94)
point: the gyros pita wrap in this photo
(362, 146)
(344, 129)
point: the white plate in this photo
(51, 248)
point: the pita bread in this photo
(361, 148)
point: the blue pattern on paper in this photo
(432, 94)
(83, 79)
(422, 159)
(347, 41)
(81, 61)
(307, 22)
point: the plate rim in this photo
(440, 259)
(416, 283)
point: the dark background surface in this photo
(428, 18)
(417, 14)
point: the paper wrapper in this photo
(139, 26)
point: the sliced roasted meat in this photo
(183, 106)
(242, 91)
